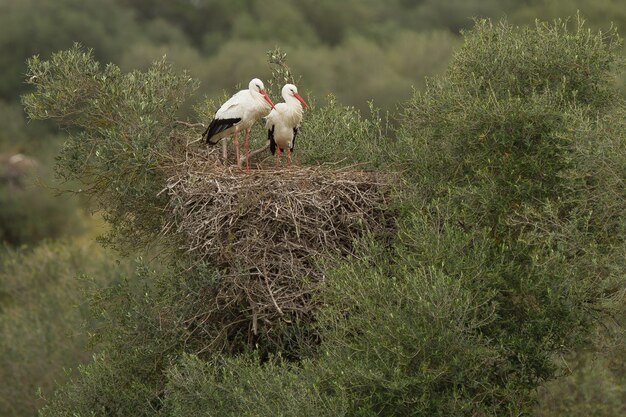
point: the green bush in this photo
(341, 135)
(32, 214)
(227, 386)
(595, 387)
(136, 341)
(31, 208)
(517, 138)
(44, 318)
(124, 122)
(147, 322)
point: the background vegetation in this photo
(556, 204)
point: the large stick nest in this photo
(266, 229)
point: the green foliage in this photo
(29, 215)
(578, 63)
(42, 318)
(240, 387)
(160, 357)
(134, 341)
(404, 332)
(40, 27)
(341, 135)
(124, 122)
(595, 388)
(599, 14)
(510, 237)
(496, 116)
(515, 146)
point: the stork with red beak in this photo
(239, 113)
(283, 122)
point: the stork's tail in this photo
(205, 135)
(212, 133)
(270, 137)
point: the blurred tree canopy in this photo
(42, 311)
(382, 48)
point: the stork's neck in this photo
(259, 99)
(292, 102)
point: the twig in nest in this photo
(253, 153)
(181, 122)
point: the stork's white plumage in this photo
(284, 121)
(239, 113)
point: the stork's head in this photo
(256, 86)
(289, 91)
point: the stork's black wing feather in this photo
(218, 126)
(270, 137)
(295, 133)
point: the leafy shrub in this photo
(595, 387)
(30, 209)
(515, 139)
(31, 214)
(238, 386)
(336, 134)
(43, 316)
(144, 326)
(125, 120)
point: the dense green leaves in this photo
(504, 139)
(124, 123)
(44, 318)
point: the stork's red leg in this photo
(247, 153)
(288, 157)
(225, 150)
(236, 147)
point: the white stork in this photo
(284, 121)
(239, 112)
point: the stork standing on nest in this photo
(239, 112)
(283, 122)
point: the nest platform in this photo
(267, 230)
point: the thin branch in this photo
(187, 124)
(253, 153)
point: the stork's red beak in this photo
(299, 97)
(266, 97)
